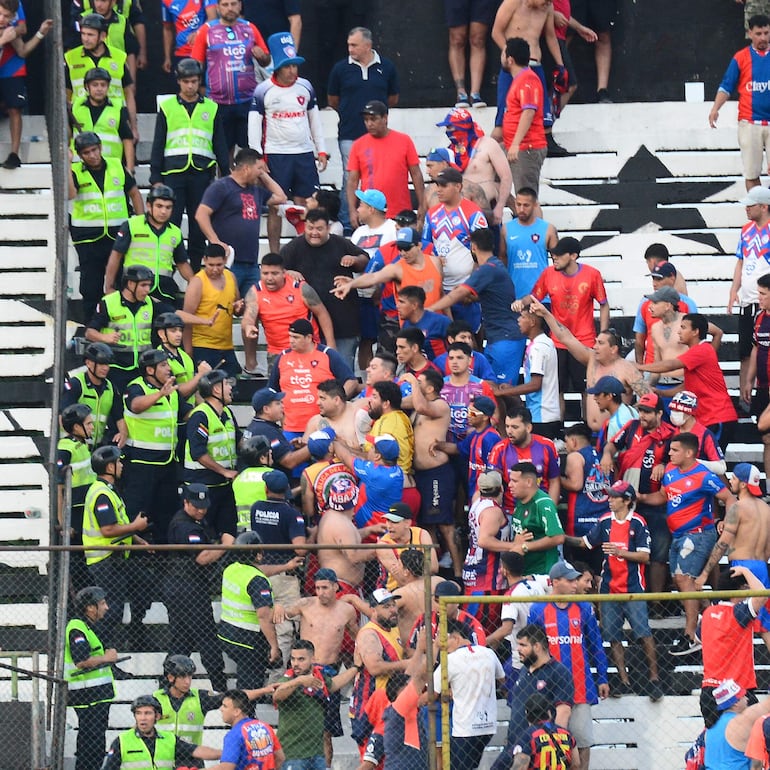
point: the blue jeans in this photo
(310, 763)
(344, 145)
(246, 275)
(505, 357)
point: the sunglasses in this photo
(230, 33)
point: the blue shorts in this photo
(235, 121)
(296, 174)
(505, 357)
(13, 93)
(757, 567)
(246, 275)
(470, 313)
(437, 495)
(689, 552)
(613, 614)
(461, 13)
(369, 318)
(504, 81)
(660, 534)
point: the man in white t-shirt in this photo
(473, 672)
(374, 231)
(514, 615)
(540, 388)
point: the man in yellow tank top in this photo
(211, 289)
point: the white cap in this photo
(756, 195)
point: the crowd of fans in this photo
(465, 341)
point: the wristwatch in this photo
(524, 548)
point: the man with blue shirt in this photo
(353, 82)
(461, 331)
(491, 286)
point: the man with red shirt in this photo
(572, 288)
(297, 372)
(384, 160)
(702, 375)
(523, 130)
(682, 416)
(276, 303)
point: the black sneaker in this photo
(622, 688)
(603, 96)
(655, 691)
(556, 150)
(684, 646)
(12, 161)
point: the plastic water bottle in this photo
(36, 138)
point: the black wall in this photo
(658, 45)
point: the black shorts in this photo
(437, 495)
(13, 93)
(235, 121)
(551, 430)
(746, 330)
(598, 15)
(461, 13)
(759, 402)
(572, 374)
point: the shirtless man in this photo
(603, 359)
(335, 411)
(485, 169)
(745, 530)
(336, 528)
(665, 333)
(528, 19)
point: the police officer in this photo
(151, 240)
(170, 329)
(88, 673)
(246, 625)
(93, 388)
(106, 523)
(74, 452)
(189, 143)
(153, 410)
(98, 188)
(210, 453)
(143, 746)
(188, 585)
(124, 321)
(255, 459)
(108, 121)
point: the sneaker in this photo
(556, 150)
(603, 96)
(655, 691)
(12, 161)
(684, 646)
(622, 688)
(462, 100)
(248, 374)
(477, 102)
(445, 562)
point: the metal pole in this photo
(446, 730)
(428, 621)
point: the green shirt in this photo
(540, 517)
(301, 722)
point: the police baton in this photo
(36, 674)
(84, 671)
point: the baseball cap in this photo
(663, 270)
(483, 404)
(449, 176)
(265, 396)
(563, 569)
(622, 489)
(375, 107)
(756, 195)
(405, 218)
(457, 117)
(447, 588)
(398, 512)
(438, 155)
(325, 573)
(341, 494)
(276, 481)
(750, 476)
(374, 198)
(318, 441)
(727, 694)
(387, 446)
(665, 294)
(607, 384)
(650, 402)
(381, 596)
(408, 237)
(566, 245)
(301, 326)
(489, 482)
(197, 494)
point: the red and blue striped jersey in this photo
(12, 65)
(761, 340)
(187, 16)
(476, 447)
(541, 452)
(620, 576)
(708, 446)
(690, 494)
(574, 640)
(586, 506)
(434, 327)
(481, 570)
(749, 74)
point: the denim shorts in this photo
(613, 614)
(689, 552)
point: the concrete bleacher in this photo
(641, 173)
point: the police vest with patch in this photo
(135, 329)
(221, 441)
(99, 209)
(237, 608)
(189, 138)
(80, 461)
(92, 536)
(79, 62)
(134, 753)
(154, 429)
(187, 722)
(248, 487)
(182, 368)
(106, 126)
(86, 686)
(151, 249)
(100, 403)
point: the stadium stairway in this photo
(640, 173)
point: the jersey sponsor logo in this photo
(758, 87)
(236, 51)
(287, 115)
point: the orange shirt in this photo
(278, 309)
(426, 276)
(220, 335)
